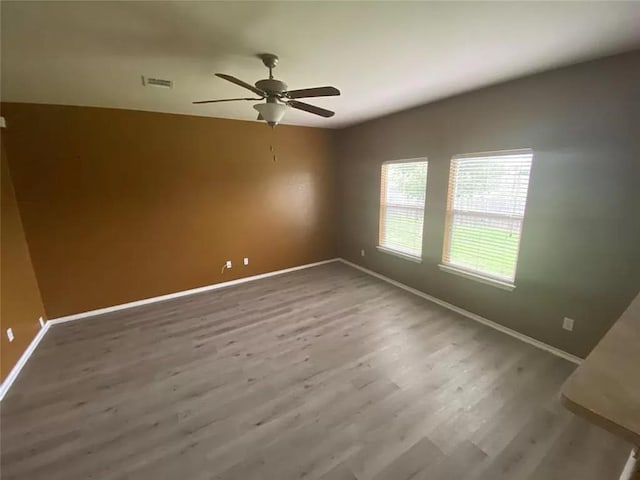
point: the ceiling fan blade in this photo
(260, 117)
(240, 83)
(313, 92)
(224, 100)
(311, 108)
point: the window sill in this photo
(395, 253)
(478, 278)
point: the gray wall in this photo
(580, 248)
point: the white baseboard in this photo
(520, 336)
(183, 293)
(15, 371)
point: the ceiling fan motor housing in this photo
(271, 85)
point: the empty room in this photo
(320, 240)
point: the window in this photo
(485, 210)
(402, 196)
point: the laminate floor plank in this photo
(323, 373)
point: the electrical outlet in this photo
(362, 252)
(246, 260)
(567, 323)
(41, 320)
(10, 334)
(228, 264)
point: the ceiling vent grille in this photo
(156, 82)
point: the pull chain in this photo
(271, 147)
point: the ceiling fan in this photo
(277, 97)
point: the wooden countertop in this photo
(605, 388)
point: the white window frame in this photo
(479, 276)
(391, 251)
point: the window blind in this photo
(402, 200)
(485, 209)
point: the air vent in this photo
(156, 82)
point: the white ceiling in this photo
(383, 56)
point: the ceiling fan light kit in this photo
(277, 97)
(272, 113)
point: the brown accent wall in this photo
(123, 205)
(20, 303)
(580, 250)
